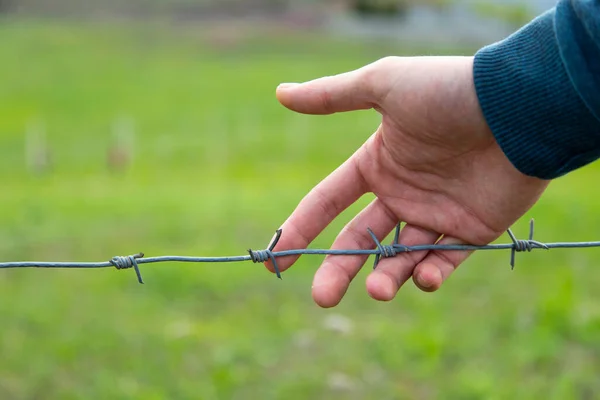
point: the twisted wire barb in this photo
(261, 256)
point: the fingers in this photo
(391, 273)
(318, 209)
(434, 269)
(333, 278)
(344, 92)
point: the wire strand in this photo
(261, 256)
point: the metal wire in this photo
(261, 256)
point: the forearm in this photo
(539, 90)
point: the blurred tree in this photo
(6, 6)
(395, 7)
(379, 7)
(515, 14)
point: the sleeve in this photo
(539, 90)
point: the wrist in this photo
(530, 104)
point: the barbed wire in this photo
(261, 256)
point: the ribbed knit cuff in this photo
(531, 105)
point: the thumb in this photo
(344, 92)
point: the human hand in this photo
(432, 163)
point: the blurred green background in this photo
(164, 136)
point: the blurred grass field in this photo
(218, 165)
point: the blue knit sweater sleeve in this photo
(539, 90)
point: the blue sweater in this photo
(539, 90)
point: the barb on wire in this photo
(524, 245)
(127, 262)
(265, 255)
(261, 256)
(387, 251)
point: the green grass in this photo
(219, 164)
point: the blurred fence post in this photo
(37, 153)
(121, 150)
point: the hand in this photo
(432, 163)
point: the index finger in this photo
(319, 208)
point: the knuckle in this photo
(359, 239)
(387, 61)
(372, 76)
(329, 207)
(326, 101)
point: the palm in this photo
(432, 163)
(470, 194)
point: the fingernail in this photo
(317, 285)
(287, 85)
(422, 282)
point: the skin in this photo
(432, 163)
